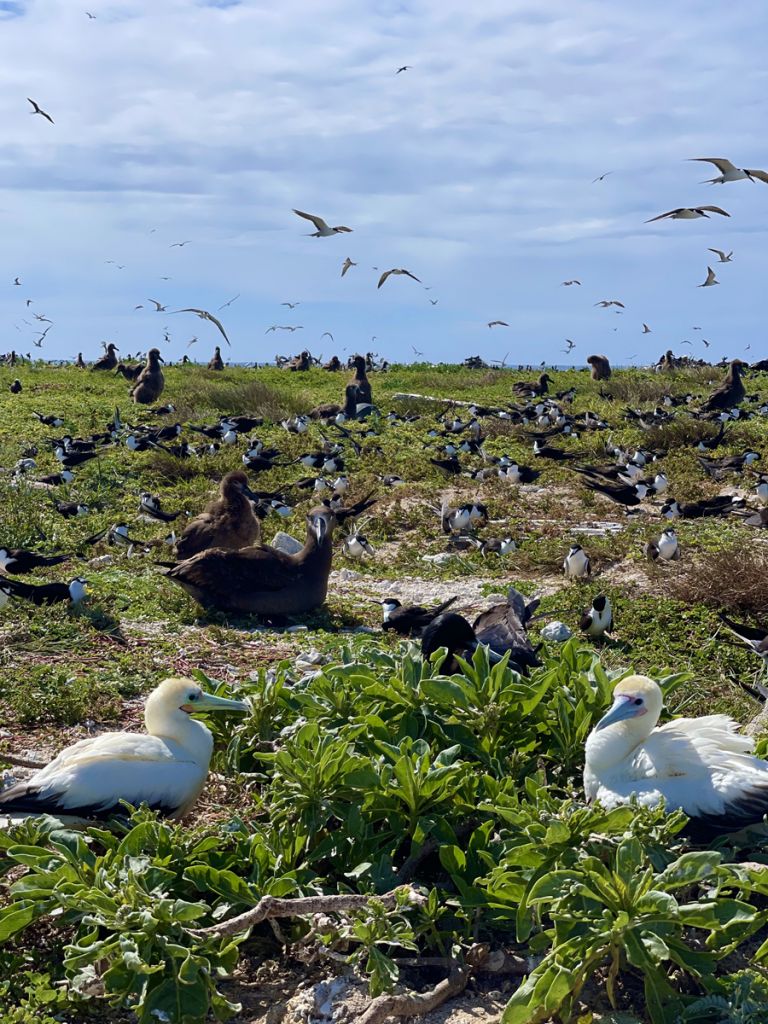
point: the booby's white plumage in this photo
(700, 765)
(165, 768)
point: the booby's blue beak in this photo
(210, 702)
(624, 707)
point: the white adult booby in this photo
(728, 171)
(165, 768)
(699, 765)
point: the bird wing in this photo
(383, 278)
(93, 775)
(661, 216)
(409, 274)
(617, 303)
(744, 632)
(762, 175)
(714, 209)
(251, 570)
(214, 320)
(317, 221)
(720, 162)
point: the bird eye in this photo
(638, 700)
(193, 696)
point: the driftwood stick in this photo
(412, 1003)
(270, 907)
(406, 397)
(20, 762)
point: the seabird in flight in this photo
(689, 213)
(323, 230)
(728, 172)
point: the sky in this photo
(207, 121)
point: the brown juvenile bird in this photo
(109, 360)
(601, 368)
(228, 522)
(730, 392)
(364, 394)
(80, 362)
(151, 381)
(216, 363)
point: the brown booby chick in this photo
(216, 363)
(228, 522)
(360, 380)
(109, 360)
(601, 368)
(263, 580)
(533, 389)
(151, 381)
(333, 364)
(730, 392)
(301, 362)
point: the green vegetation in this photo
(374, 770)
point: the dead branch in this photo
(20, 762)
(410, 1004)
(270, 907)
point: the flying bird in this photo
(705, 342)
(405, 67)
(601, 177)
(571, 345)
(395, 270)
(646, 329)
(711, 279)
(17, 282)
(205, 315)
(39, 110)
(180, 244)
(567, 284)
(290, 305)
(327, 334)
(158, 308)
(605, 303)
(498, 323)
(724, 257)
(728, 172)
(434, 302)
(91, 16)
(689, 213)
(228, 303)
(323, 230)
(346, 265)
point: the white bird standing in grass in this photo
(165, 768)
(700, 765)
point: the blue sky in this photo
(210, 120)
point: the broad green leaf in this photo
(225, 883)
(14, 918)
(687, 869)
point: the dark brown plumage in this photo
(503, 628)
(301, 362)
(730, 392)
(263, 580)
(131, 373)
(364, 393)
(533, 388)
(216, 363)
(150, 382)
(601, 368)
(228, 522)
(109, 360)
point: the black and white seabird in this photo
(410, 620)
(599, 619)
(576, 564)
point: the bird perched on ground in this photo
(729, 172)
(356, 546)
(395, 270)
(730, 392)
(150, 382)
(666, 547)
(228, 522)
(599, 619)
(45, 593)
(410, 620)
(15, 388)
(689, 213)
(264, 580)
(166, 768)
(699, 765)
(601, 368)
(453, 632)
(216, 363)
(720, 505)
(503, 628)
(323, 230)
(109, 360)
(576, 564)
(18, 561)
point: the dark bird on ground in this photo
(503, 628)
(730, 392)
(228, 522)
(533, 389)
(396, 270)
(150, 383)
(601, 368)
(109, 360)
(263, 580)
(45, 593)
(755, 638)
(150, 505)
(323, 230)
(205, 315)
(333, 364)
(38, 110)
(410, 620)
(70, 509)
(718, 506)
(361, 382)
(18, 561)
(216, 362)
(545, 451)
(15, 388)
(453, 632)
(622, 494)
